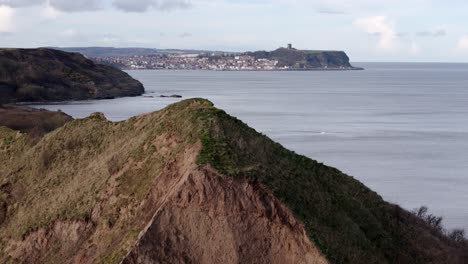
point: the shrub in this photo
(421, 212)
(456, 235)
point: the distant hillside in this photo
(191, 184)
(109, 51)
(30, 120)
(306, 59)
(53, 75)
(120, 52)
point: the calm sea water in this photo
(402, 129)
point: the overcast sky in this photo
(368, 30)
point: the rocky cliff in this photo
(307, 59)
(52, 75)
(191, 184)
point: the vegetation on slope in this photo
(89, 172)
(102, 175)
(30, 120)
(52, 75)
(306, 59)
(348, 221)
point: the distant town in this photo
(220, 62)
(282, 59)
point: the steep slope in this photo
(190, 184)
(52, 75)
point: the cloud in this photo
(185, 35)
(93, 5)
(462, 44)
(329, 11)
(6, 19)
(49, 12)
(109, 38)
(438, 32)
(69, 33)
(144, 5)
(20, 3)
(380, 26)
(415, 49)
(62, 5)
(76, 5)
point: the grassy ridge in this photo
(88, 163)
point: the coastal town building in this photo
(222, 62)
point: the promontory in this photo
(34, 75)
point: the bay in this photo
(400, 128)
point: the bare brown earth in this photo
(191, 215)
(214, 219)
(190, 184)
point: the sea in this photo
(400, 128)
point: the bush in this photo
(421, 212)
(457, 235)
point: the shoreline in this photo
(254, 70)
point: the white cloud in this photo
(436, 32)
(381, 26)
(93, 5)
(415, 49)
(62, 5)
(76, 6)
(20, 3)
(185, 35)
(69, 33)
(49, 12)
(108, 38)
(144, 5)
(462, 44)
(6, 19)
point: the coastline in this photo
(250, 70)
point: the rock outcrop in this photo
(53, 75)
(191, 184)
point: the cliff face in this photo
(307, 60)
(52, 75)
(190, 184)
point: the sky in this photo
(368, 30)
